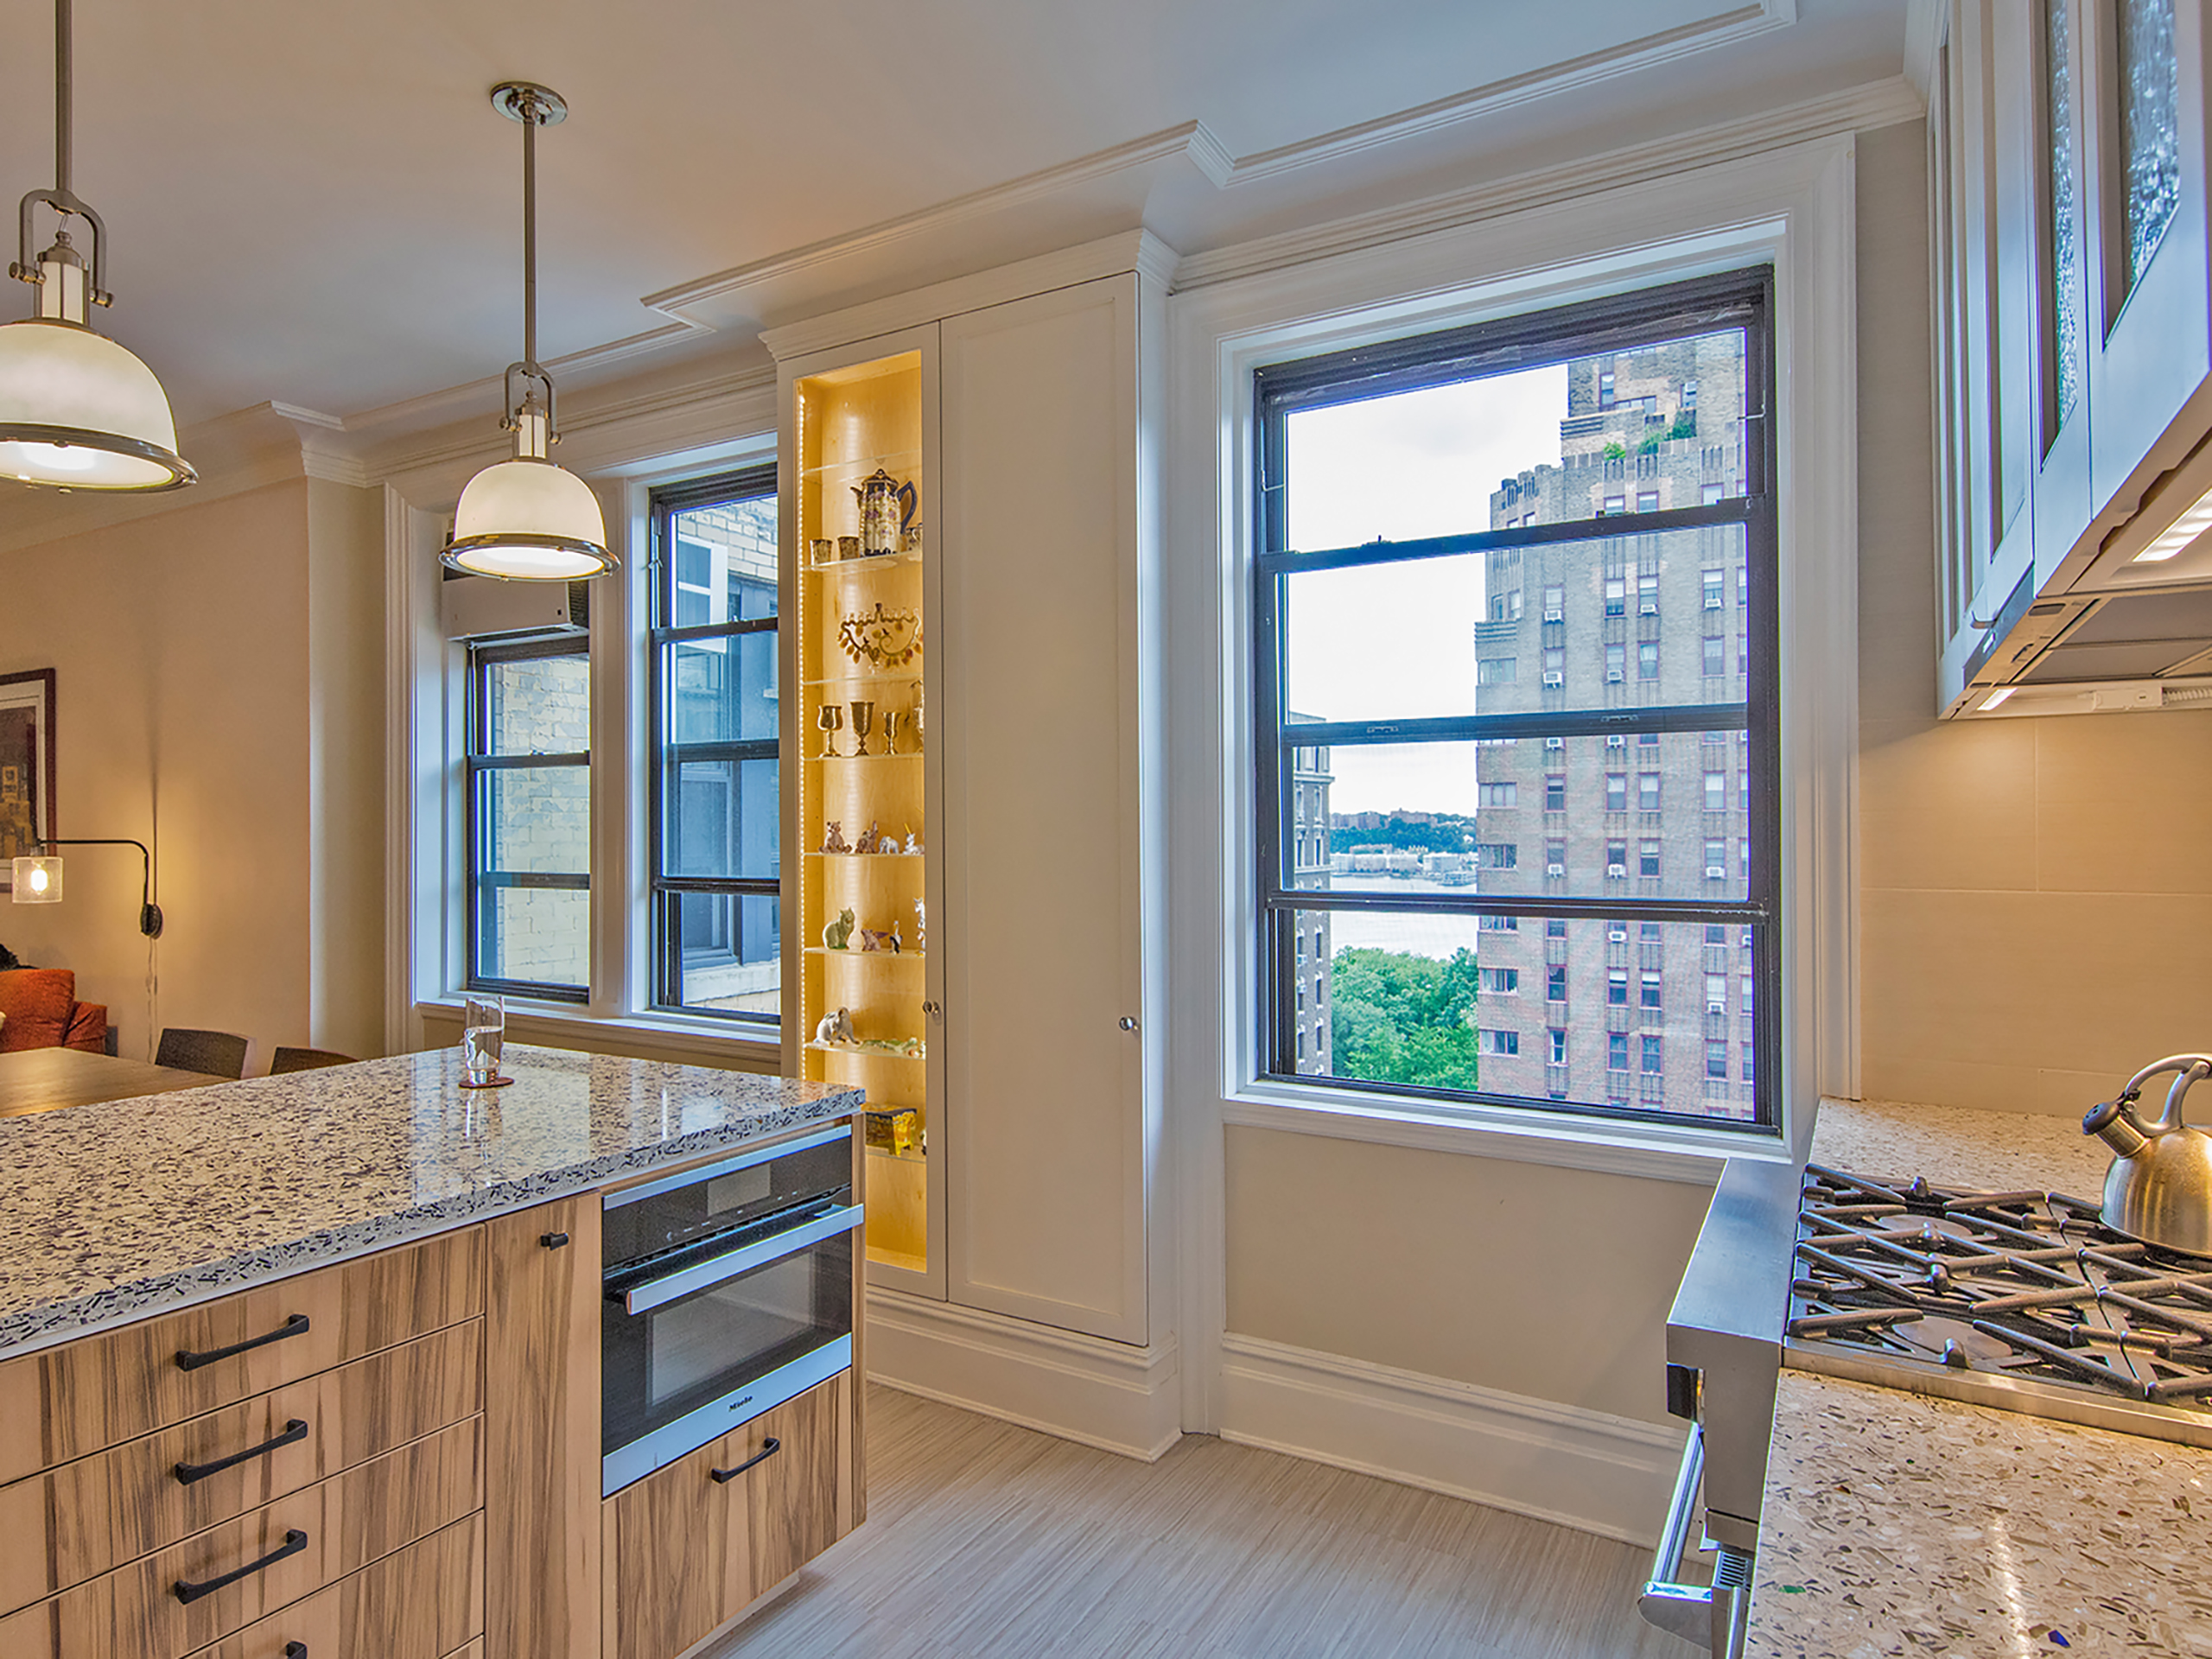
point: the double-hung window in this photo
(529, 805)
(715, 863)
(1385, 625)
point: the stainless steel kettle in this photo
(2159, 1186)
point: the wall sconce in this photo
(38, 881)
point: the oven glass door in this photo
(686, 1370)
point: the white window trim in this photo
(1793, 206)
(682, 433)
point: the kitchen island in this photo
(1898, 1524)
(311, 1362)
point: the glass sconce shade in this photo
(80, 412)
(527, 519)
(38, 880)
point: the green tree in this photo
(1395, 1017)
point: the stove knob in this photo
(1939, 1277)
(1955, 1356)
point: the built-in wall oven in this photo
(728, 1291)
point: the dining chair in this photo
(217, 1053)
(304, 1059)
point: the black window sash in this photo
(667, 889)
(1739, 300)
(485, 880)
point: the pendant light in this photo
(77, 410)
(527, 519)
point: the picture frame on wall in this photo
(27, 813)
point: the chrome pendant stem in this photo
(529, 232)
(64, 103)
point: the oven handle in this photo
(657, 1293)
(1715, 1617)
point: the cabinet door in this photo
(1042, 624)
(541, 1420)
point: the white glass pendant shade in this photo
(37, 880)
(80, 412)
(529, 520)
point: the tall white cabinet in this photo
(1038, 538)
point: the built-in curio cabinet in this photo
(972, 897)
(862, 834)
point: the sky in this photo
(1397, 641)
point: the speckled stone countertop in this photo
(127, 1208)
(1898, 1524)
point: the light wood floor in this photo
(984, 1539)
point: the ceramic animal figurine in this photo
(839, 932)
(867, 841)
(835, 1027)
(833, 838)
(921, 927)
(914, 842)
(876, 940)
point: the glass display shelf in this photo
(916, 755)
(912, 1155)
(866, 677)
(868, 1053)
(893, 858)
(890, 461)
(868, 956)
(867, 561)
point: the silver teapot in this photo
(2159, 1187)
(886, 506)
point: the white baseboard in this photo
(1585, 1469)
(1109, 1395)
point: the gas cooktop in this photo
(2021, 1301)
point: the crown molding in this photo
(1927, 24)
(247, 449)
(1743, 23)
(1872, 104)
(719, 294)
(1106, 256)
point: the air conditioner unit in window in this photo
(1614, 740)
(1716, 872)
(1553, 614)
(1716, 1008)
(1613, 677)
(1648, 607)
(1553, 679)
(485, 608)
(1555, 742)
(1555, 869)
(1617, 936)
(1713, 601)
(1616, 870)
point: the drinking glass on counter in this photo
(483, 1032)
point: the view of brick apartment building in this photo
(1312, 840)
(1620, 1013)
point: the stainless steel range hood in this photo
(2124, 623)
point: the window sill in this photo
(670, 1038)
(1685, 1153)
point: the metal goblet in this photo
(831, 719)
(863, 719)
(892, 718)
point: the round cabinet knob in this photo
(1128, 1022)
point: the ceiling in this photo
(315, 204)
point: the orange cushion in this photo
(38, 1002)
(88, 1028)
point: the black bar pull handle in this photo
(295, 1541)
(768, 1449)
(295, 1432)
(189, 1360)
(552, 1241)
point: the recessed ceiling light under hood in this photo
(527, 519)
(77, 410)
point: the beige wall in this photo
(188, 716)
(1553, 1283)
(2034, 895)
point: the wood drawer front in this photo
(350, 1520)
(684, 1554)
(423, 1602)
(116, 1505)
(99, 1391)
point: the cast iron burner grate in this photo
(2031, 1287)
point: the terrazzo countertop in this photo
(1895, 1523)
(127, 1208)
